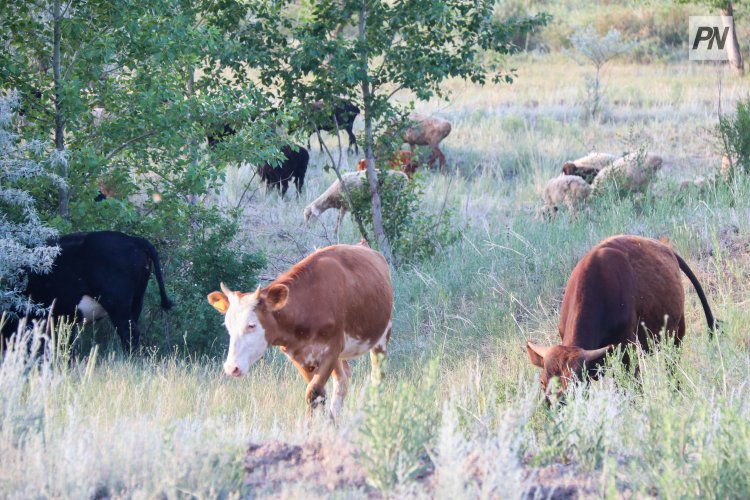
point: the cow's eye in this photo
(251, 326)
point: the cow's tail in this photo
(699, 290)
(147, 247)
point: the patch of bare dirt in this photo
(319, 466)
(559, 482)
(324, 468)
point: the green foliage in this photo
(734, 135)
(209, 255)
(396, 430)
(415, 233)
(141, 86)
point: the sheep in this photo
(333, 197)
(294, 166)
(632, 172)
(699, 182)
(568, 190)
(588, 166)
(428, 131)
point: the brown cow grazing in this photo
(332, 306)
(428, 131)
(625, 289)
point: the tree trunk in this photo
(381, 238)
(64, 192)
(733, 47)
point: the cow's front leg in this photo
(315, 394)
(341, 374)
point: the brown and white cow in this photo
(332, 306)
(625, 289)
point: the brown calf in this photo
(403, 161)
(332, 306)
(625, 289)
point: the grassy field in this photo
(459, 388)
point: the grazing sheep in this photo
(568, 190)
(333, 197)
(428, 131)
(294, 167)
(588, 166)
(631, 172)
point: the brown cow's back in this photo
(622, 285)
(342, 288)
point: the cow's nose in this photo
(233, 372)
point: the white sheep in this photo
(333, 197)
(632, 172)
(565, 190)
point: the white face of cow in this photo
(247, 338)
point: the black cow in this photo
(343, 117)
(215, 137)
(294, 166)
(98, 274)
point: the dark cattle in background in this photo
(343, 118)
(294, 166)
(216, 137)
(98, 274)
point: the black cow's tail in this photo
(147, 247)
(699, 290)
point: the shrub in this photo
(23, 236)
(734, 134)
(415, 233)
(396, 430)
(197, 263)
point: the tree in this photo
(590, 48)
(126, 93)
(23, 236)
(114, 85)
(368, 50)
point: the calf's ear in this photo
(276, 297)
(536, 354)
(219, 301)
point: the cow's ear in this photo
(596, 355)
(219, 301)
(276, 296)
(536, 354)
